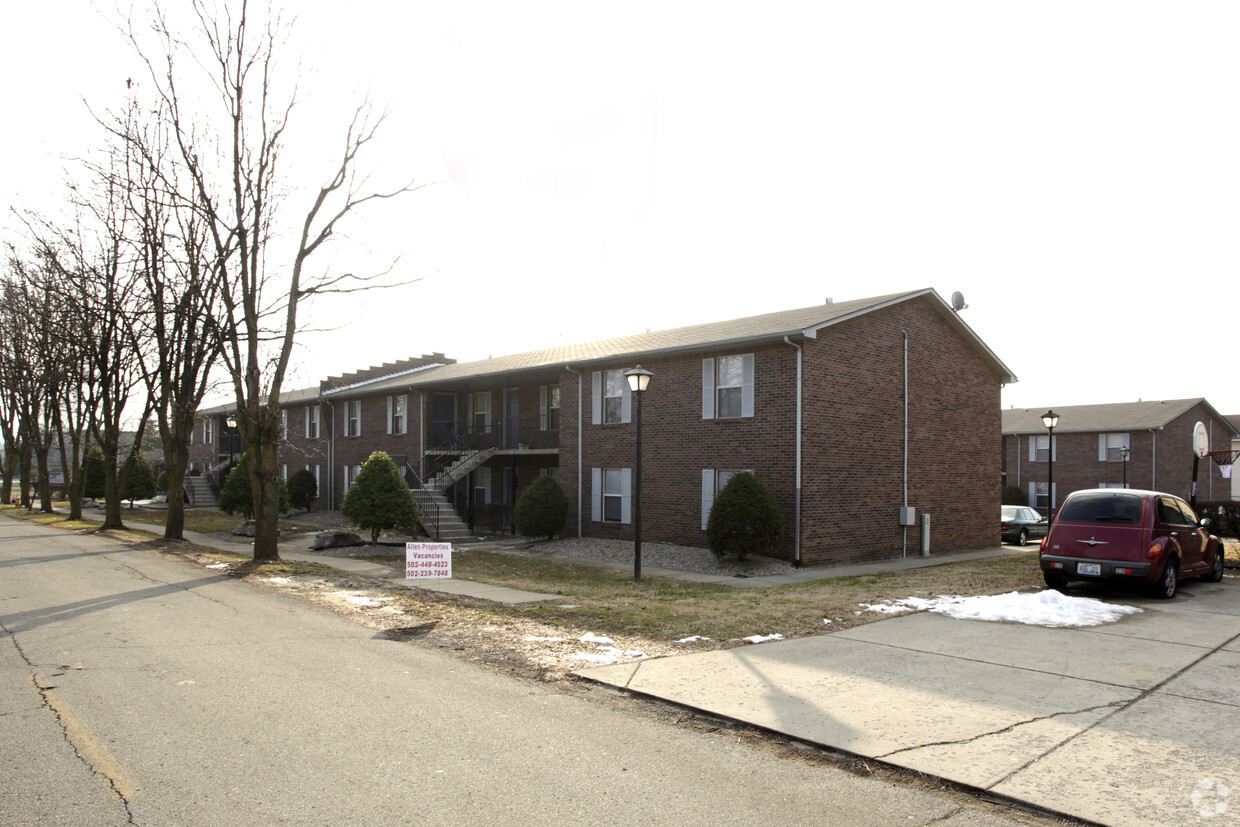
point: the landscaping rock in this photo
(335, 538)
(246, 529)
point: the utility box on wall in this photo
(908, 515)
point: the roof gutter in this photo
(796, 556)
(579, 435)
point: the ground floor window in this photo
(610, 495)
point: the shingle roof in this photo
(1116, 416)
(768, 326)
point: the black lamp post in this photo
(1123, 452)
(638, 379)
(1050, 419)
(231, 424)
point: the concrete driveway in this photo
(1135, 722)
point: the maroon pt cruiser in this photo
(1129, 535)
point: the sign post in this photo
(428, 560)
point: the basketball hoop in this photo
(1224, 460)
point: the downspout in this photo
(796, 557)
(904, 529)
(331, 459)
(579, 487)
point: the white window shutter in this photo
(1033, 493)
(1102, 447)
(1053, 441)
(747, 386)
(389, 414)
(626, 403)
(542, 408)
(626, 499)
(708, 389)
(596, 404)
(596, 494)
(486, 413)
(708, 494)
(1054, 485)
(1033, 449)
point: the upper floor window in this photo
(353, 417)
(207, 427)
(398, 422)
(1110, 447)
(612, 400)
(284, 424)
(312, 422)
(613, 396)
(549, 407)
(1040, 447)
(727, 387)
(482, 412)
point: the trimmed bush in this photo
(237, 495)
(744, 519)
(379, 499)
(303, 489)
(541, 510)
(1013, 495)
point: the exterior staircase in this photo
(439, 517)
(199, 491)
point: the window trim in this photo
(312, 418)
(352, 417)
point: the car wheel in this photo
(1054, 581)
(1022, 539)
(1216, 571)
(1164, 589)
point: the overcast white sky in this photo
(602, 169)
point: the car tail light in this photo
(1054, 565)
(1124, 571)
(1156, 548)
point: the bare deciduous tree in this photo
(236, 190)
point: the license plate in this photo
(1089, 568)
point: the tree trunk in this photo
(261, 455)
(176, 459)
(45, 482)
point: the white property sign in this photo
(423, 560)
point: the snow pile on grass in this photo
(1046, 608)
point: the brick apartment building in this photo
(858, 416)
(1088, 447)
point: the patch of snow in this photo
(365, 602)
(601, 660)
(763, 638)
(1046, 608)
(278, 579)
(692, 639)
(590, 637)
(827, 620)
(218, 566)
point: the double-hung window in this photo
(350, 475)
(727, 387)
(1110, 445)
(206, 431)
(353, 417)
(312, 422)
(612, 402)
(397, 418)
(549, 408)
(1041, 447)
(610, 495)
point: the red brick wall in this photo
(853, 440)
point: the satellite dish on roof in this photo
(958, 302)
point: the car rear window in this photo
(1009, 512)
(1117, 508)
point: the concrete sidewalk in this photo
(1131, 723)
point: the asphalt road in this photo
(141, 689)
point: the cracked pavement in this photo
(1131, 723)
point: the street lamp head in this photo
(1050, 419)
(1123, 453)
(638, 378)
(231, 421)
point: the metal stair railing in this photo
(428, 505)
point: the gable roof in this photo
(1115, 416)
(803, 322)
